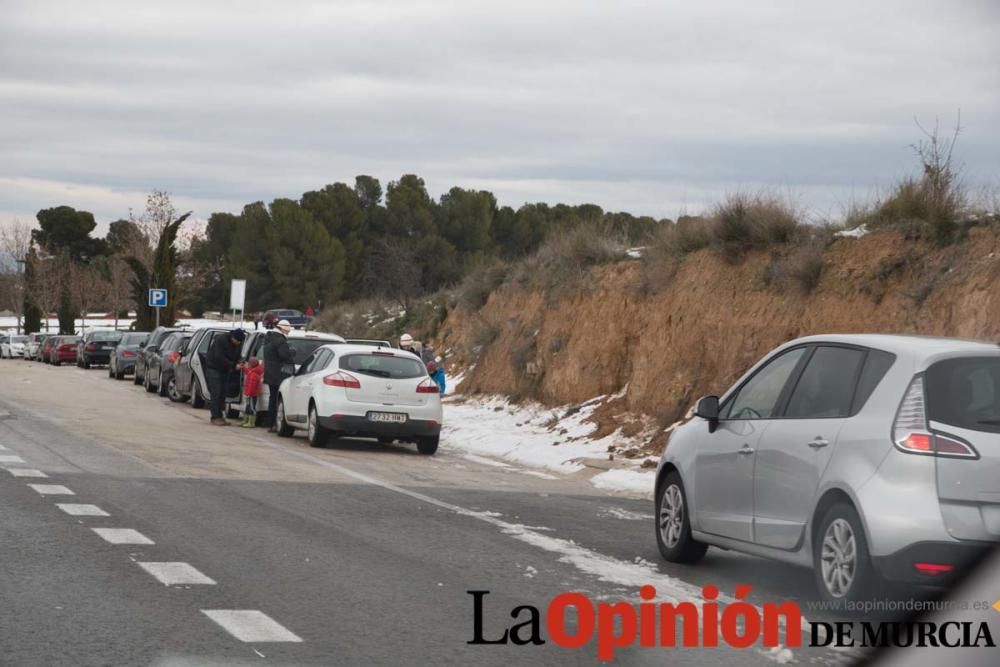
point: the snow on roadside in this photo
(538, 437)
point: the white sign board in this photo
(237, 295)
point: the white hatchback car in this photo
(359, 390)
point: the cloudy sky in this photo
(650, 107)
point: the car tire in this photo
(318, 436)
(428, 445)
(197, 400)
(841, 561)
(171, 390)
(86, 363)
(673, 523)
(284, 429)
(57, 362)
(138, 379)
(148, 384)
(163, 388)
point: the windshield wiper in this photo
(991, 422)
(376, 373)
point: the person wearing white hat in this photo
(407, 343)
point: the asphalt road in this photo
(358, 553)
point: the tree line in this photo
(340, 242)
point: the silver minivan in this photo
(865, 457)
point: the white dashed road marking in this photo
(10, 458)
(122, 536)
(26, 472)
(251, 625)
(2, 448)
(52, 489)
(81, 510)
(176, 574)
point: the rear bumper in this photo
(361, 426)
(97, 357)
(961, 556)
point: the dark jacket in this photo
(276, 355)
(222, 354)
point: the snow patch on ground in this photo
(855, 233)
(624, 514)
(623, 479)
(537, 437)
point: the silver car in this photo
(865, 457)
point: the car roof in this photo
(346, 348)
(922, 350)
(321, 335)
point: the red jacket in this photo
(251, 386)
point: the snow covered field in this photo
(98, 322)
(539, 437)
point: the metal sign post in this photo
(158, 300)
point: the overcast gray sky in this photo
(649, 107)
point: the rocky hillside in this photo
(609, 332)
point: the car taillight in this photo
(932, 569)
(428, 386)
(172, 357)
(912, 434)
(342, 379)
(128, 355)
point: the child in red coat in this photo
(253, 372)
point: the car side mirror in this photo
(708, 408)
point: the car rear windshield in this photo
(19, 339)
(134, 338)
(303, 347)
(965, 393)
(383, 366)
(104, 336)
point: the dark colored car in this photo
(189, 371)
(148, 349)
(63, 348)
(296, 318)
(125, 353)
(45, 350)
(96, 348)
(160, 370)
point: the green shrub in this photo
(564, 259)
(748, 222)
(475, 290)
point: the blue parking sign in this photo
(158, 298)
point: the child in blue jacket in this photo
(437, 374)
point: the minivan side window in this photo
(758, 397)
(877, 365)
(825, 390)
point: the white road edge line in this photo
(81, 510)
(251, 625)
(26, 472)
(122, 536)
(52, 489)
(10, 458)
(176, 574)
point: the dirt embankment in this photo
(700, 330)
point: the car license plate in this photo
(390, 417)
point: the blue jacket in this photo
(438, 376)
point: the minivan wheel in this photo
(285, 430)
(673, 525)
(317, 434)
(428, 445)
(197, 400)
(843, 567)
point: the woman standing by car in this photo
(276, 355)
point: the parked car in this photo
(64, 348)
(359, 391)
(296, 318)
(189, 370)
(866, 457)
(45, 350)
(160, 372)
(125, 353)
(95, 348)
(302, 344)
(148, 349)
(14, 347)
(34, 345)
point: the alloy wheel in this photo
(671, 516)
(838, 557)
(312, 425)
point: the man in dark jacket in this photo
(222, 359)
(277, 355)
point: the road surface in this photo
(133, 533)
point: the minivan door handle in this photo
(819, 442)
(747, 450)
